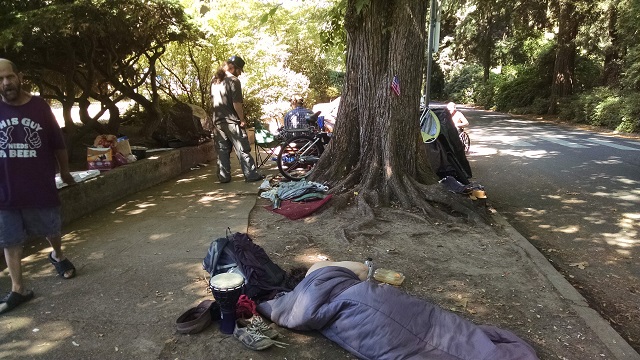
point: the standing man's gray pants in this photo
(229, 136)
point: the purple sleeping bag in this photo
(378, 321)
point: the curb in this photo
(611, 339)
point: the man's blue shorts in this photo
(17, 225)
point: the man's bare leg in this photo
(13, 257)
(18, 295)
(57, 255)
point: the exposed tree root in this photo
(371, 233)
(342, 235)
(418, 218)
(368, 219)
(341, 201)
(429, 199)
(436, 194)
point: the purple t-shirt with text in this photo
(29, 136)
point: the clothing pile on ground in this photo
(294, 199)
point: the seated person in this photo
(458, 118)
(297, 117)
(378, 321)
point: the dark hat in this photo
(236, 61)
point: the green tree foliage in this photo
(285, 47)
(86, 49)
(486, 32)
(629, 30)
(554, 53)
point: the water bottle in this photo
(369, 262)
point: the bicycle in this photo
(299, 155)
(464, 137)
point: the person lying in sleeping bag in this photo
(377, 321)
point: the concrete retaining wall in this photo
(90, 195)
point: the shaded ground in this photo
(478, 273)
(139, 262)
(580, 210)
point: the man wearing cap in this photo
(229, 120)
(31, 146)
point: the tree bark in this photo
(375, 151)
(564, 67)
(612, 52)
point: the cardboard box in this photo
(99, 159)
(123, 147)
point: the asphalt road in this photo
(575, 195)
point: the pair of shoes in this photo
(198, 318)
(258, 178)
(256, 322)
(63, 266)
(251, 338)
(13, 300)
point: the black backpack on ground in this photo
(239, 254)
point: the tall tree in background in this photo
(375, 151)
(629, 31)
(569, 15)
(486, 32)
(613, 51)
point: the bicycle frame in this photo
(302, 152)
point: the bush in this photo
(463, 85)
(136, 114)
(521, 92)
(605, 107)
(630, 121)
(598, 107)
(588, 74)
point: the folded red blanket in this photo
(297, 210)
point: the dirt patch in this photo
(476, 272)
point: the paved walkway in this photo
(139, 267)
(138, 263)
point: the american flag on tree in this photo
(395, 85)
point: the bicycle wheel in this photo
(298, 156)
(464, 137)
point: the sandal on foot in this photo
(63, 266)
(13, 300)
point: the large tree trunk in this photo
(564, 67)
(612, 53)
(375, 151)
(487, 48)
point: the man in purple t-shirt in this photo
(31, 144)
